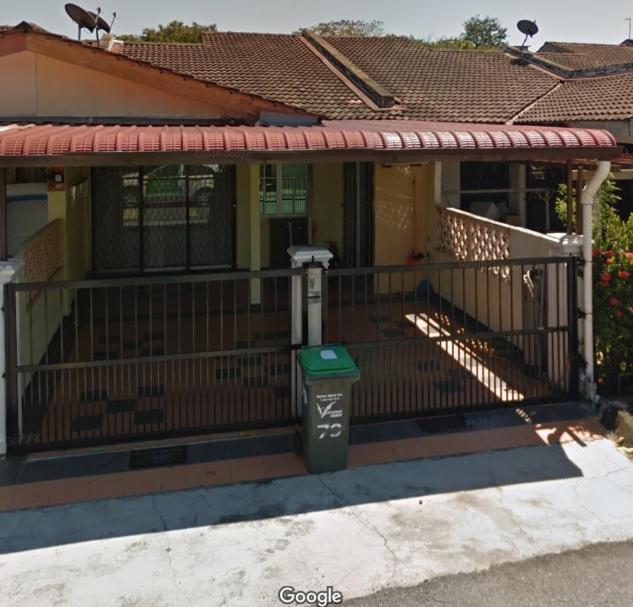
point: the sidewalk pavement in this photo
(360, 530)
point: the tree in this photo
(479, 33)
(446, 43)
(485, 32)
(348, 27)
(176, 31)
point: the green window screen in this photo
(284, 189)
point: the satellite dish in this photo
(529, 28)
(89, 20)
(81, 17)
(101, 23)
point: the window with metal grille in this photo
(283, 190)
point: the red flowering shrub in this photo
(613, 316)
(613, 286)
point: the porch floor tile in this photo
(286, 464)
(370, 454)
(32, 494)
(249, 469)
(6, 497)
(507, 438)
(37, 494)
(194, 476)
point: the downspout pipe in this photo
(587, 200)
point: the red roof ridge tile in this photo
(346, 81)
(158, 44)
(261, 34)
(379, 94)
(571, 44)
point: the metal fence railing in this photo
(456, 336)
(103, 361)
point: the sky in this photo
(578, 20)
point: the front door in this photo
(286, 233)
(165, 218)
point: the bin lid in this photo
(326, 360)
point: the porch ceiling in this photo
(387, 141)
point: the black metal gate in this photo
(105, 361)
(165, 218)
(358, 222)
(453, 337)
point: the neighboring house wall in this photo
(27, 212)
(45, 86)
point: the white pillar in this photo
(316, 258)
(587, 199)
(8, 270)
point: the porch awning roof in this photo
(384, 140)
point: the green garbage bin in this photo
(328, 374)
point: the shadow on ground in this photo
(59, 525)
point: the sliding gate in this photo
(450, 337)
(105, 361)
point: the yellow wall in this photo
(50, 87)
(403, 204)
(77, 223)
(76, 217)
(327, 205)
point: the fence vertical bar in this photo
(10, 414)
(572, 322)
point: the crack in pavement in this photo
(356, 513)
(168, 550)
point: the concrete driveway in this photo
(358, 531)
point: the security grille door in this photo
(211, 209)
(165, 218)
(116, 231)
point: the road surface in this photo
(595, 576)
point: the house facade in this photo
(151, 192)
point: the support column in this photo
(308, 288)
(3, 215)
(255, 232)
(7, 274)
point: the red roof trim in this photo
(60, 140)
